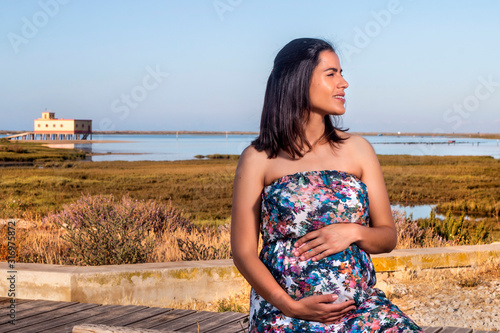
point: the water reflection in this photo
(86, 147)
(423, 211)
(417, 212)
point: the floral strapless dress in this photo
(294, 205)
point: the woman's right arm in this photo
(245, 220)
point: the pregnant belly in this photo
(348, 274)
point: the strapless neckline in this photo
(344, 174)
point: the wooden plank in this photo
(162, 318)
(91, 328)
(39, 305)
(432, 329)
(118, 311)
(38, 323)
(106, 312)
(185, 321)
(47, 306)
(36, 311)
(6, 307)
(214, 323)
(456, 330)
(137, 316)
(17, 301)
(234, 327)
(55, 325)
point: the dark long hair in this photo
(287, 102)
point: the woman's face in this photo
(327, 86)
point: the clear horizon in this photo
(412, 66)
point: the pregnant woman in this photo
(318, 198)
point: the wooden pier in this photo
(37, 136)
(36, 316)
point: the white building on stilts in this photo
(50, 128)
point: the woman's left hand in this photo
(325, 241)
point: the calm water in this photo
(169, 147)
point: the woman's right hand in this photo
(320, 308)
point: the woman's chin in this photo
(339, 112)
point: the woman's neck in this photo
(315, 129)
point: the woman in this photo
(318, 196)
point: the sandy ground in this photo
(457, 297)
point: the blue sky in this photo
(412, 66)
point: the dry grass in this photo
(168, 249)
(35, 243)
(411, 235)
(38, 243)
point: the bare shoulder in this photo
(359, 145)
(362, 152)
(250, 155)
(252, 163)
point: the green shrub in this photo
(102, 230)
(458, 230)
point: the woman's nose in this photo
(343, 83)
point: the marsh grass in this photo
(12, 151)
(468, 184)
(202, 190)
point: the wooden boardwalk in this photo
(50, 316)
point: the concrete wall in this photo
(158, 284)
(151, 284)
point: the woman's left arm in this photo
(380, 237)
